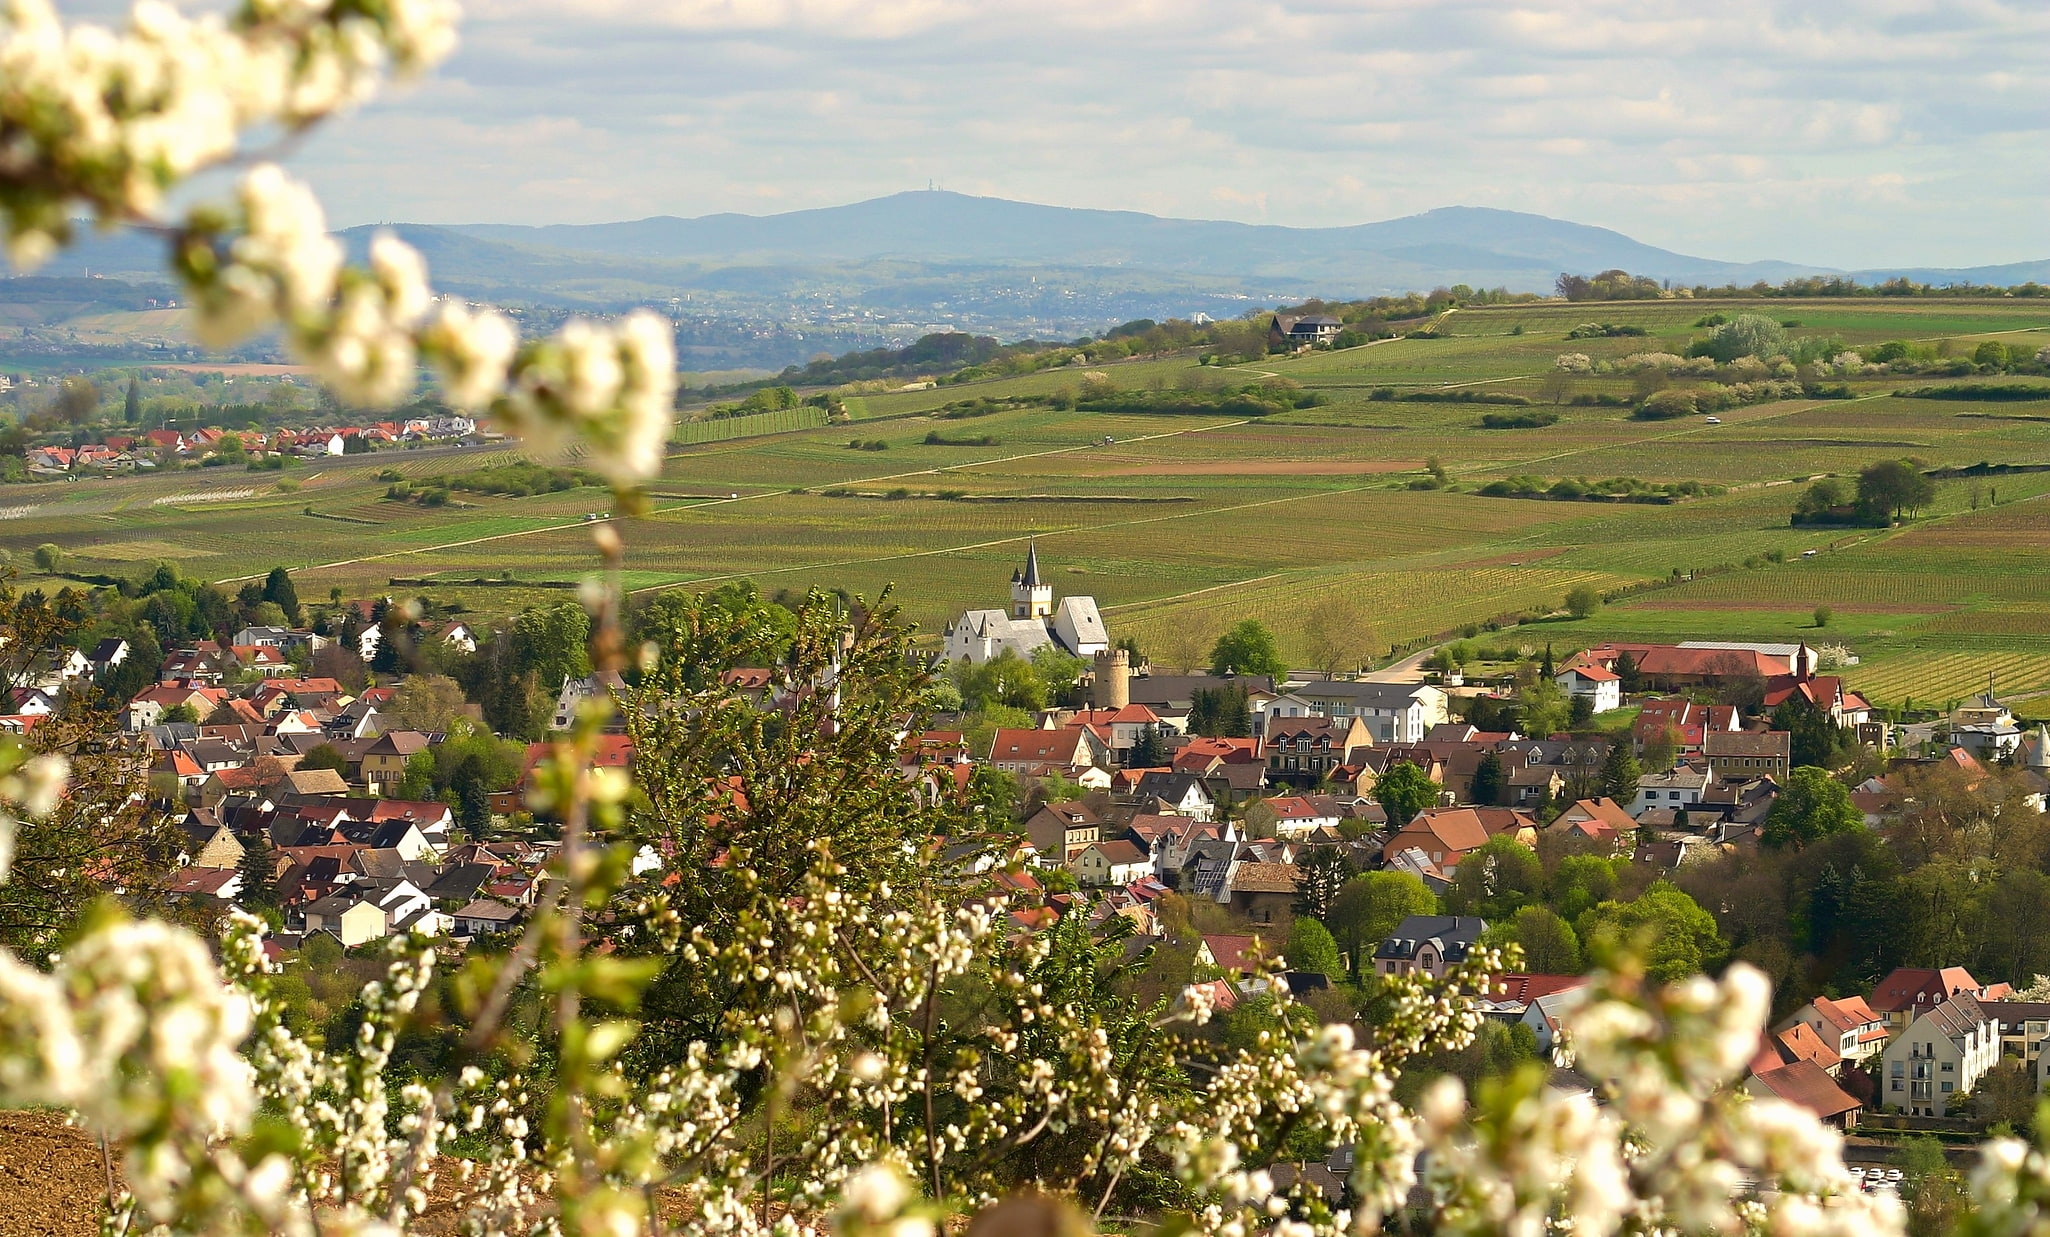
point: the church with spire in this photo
(1034, 621)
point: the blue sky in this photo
(1847, 133)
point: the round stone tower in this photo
(1112, 688)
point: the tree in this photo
(77, 400)
(179, 713)
(131, 405)
(425, 702)
(1220, 712)
(1248, 648)
(1582, 600)
(259, 870)
(1753, 335)
(1550, 946)
(1620, 772)
(277, 589)
(1311, 948)
(1629, 678)
(1148, 751)
(1403, 790)
(1336, 633)
(1496, 880)
(1542, 709)
(1890, 489)
(418, 781)
(1320, 874)
(1371, 905)
(1812, 739)
(49, 556)
(1581, 882)
(1822, 616)
(1675, 936)
(1488, 780)
(325, 756)
(1811, 805)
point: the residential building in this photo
(2023, 1027)
(1601, 688)
(1853, 1028)
(1035, 753)
(1305, 331)
(1602, 820)
(1748, 754)
(1428, 943)
(1939, 1057)
(1305, 750)
(1393, 712)
(1116, 862)
(1059, 830)
(1807, 1085)
(385, 760)
(1679, 787)
(1448, 834)
(1905, 994)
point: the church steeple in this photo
(1030, 597)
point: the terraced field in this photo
(1180, 525)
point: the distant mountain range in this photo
(842, 274)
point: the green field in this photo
(1183, 524)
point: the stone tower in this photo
(1112, 688)
(1031, 597)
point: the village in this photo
(147, 450)
(1316, 831)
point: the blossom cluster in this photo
(29, 787)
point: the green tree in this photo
(1542, 709)
(1753, 335)
(1822, 616)
(324, 756)
(1403, 791)
(418, 780)
(1496, 881)
(277, 589)
(1311, 948)
(1550, 946)
(1812, 739)
(1488, 780)
(1148, 751)
(1811, 805)
(1629, 677)
(1006, 679)
(553, 643)
(1659, 753)
(1582, 600)
(1370, 906)
(1320, 876)
(1932, 1191)
(131, 405)
(1580, 882)
(179, 713)
(1620, 772)
(49, 556)
(1248, 648)
(1891, 489)
(259, 870)
(1674, 936)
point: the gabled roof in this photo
(1911, 986)
(1518, 986)
(1806, 1085)
(1235, 953)
(1120, 852)
(1263, 878)
(1957, 1016)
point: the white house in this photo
(1941, 1055)
(1112, 863)
(1033, 622)
(1393, 712)
(1682, 787)
(1602, 688)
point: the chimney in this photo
(1112, 688)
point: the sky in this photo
(1847, 134)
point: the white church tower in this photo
(1031, 597)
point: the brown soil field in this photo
(51, 1182)
(1265, 468)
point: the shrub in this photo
(1666, 405)
(1518, 420)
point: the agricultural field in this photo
(1180, 525)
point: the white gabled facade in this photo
(1940, 1056)
(1033, 622)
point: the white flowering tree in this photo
(796, 1021)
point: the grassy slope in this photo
(1265, 518)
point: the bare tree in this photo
(1336, 633)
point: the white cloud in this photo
(1862, 133)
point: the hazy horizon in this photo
(1877, 133)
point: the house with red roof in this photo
(1601, 820)
(1807, 1085)
(1036, 753)
(1685, 723)
(1601, 687)
(1911, 991)
(1849, 1025)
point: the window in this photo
(1946, 1088)
(1896, 1084)
(1898, 1069)
(1946, 1067)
